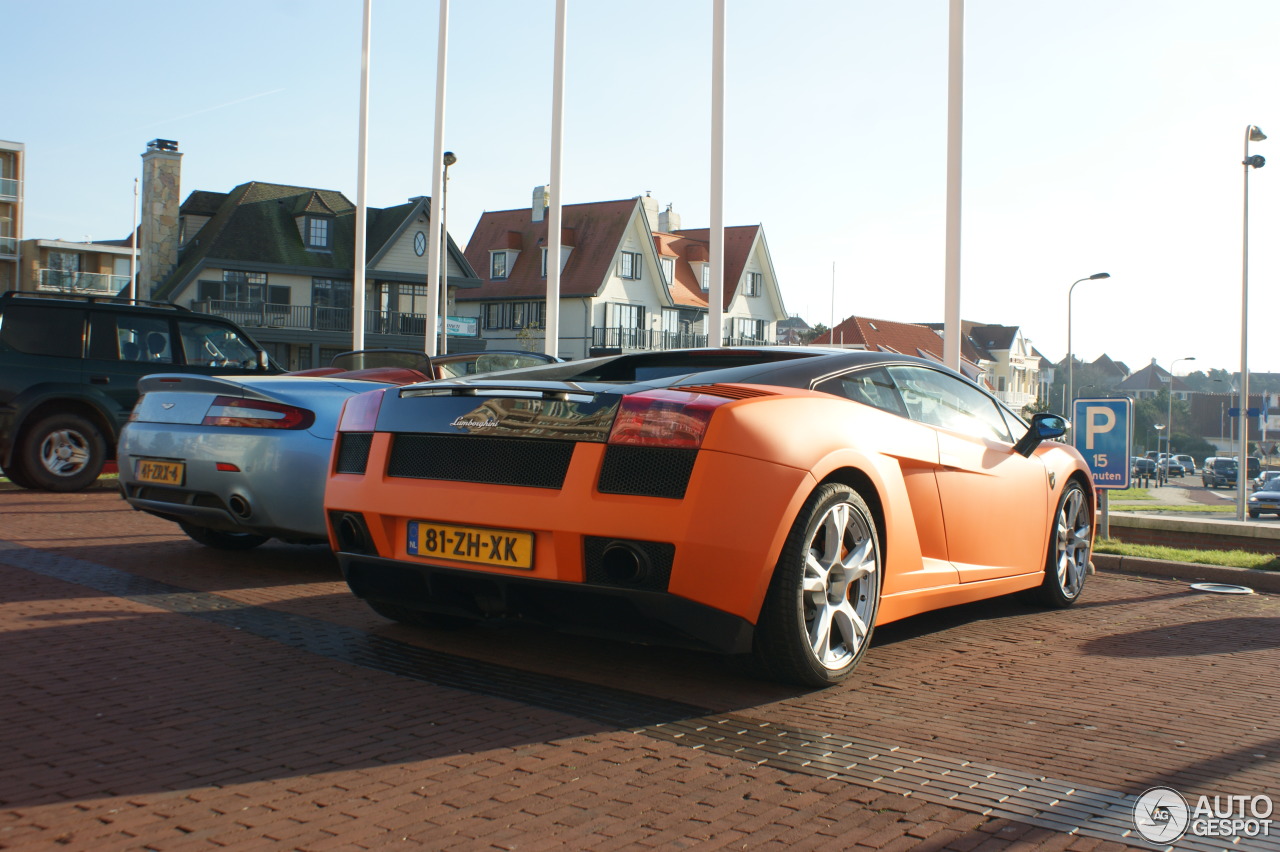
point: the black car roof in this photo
(787, 366)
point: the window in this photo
(317, 233)
(753, 282)
(870, 387)
(544, 261)
(515, 315)
(498, 264)
(629, 265)
(750, 329)
(40, 330)
(626, 316)
(213, 345)
(940, 400)
(331, 300)
(144, 338)
(706, 276)
(244, 287)
(670, 321)
(669, 270)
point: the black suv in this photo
(69, 370)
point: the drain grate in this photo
(975, 787)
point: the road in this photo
(161, 695)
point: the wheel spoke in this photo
(820, 633)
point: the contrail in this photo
(210, 109)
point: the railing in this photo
(10, 188)
(62, 281)
(644, 339)
(639, 339)
(313, 317)
(9, 245)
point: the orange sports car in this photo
(781, 501)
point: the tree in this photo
(813, 333)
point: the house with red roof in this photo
(630, 279)
(997, 356)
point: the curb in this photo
(1262, 581)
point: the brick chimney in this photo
(161, 184)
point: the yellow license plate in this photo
(159, 472)
(481, 545)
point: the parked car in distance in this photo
(1219, 471)
(1169, 467)
(775, 500)
(1188, 464)
(1143, 467)
(69, 369)
(1266, 499)
(235, 461)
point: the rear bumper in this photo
(633, 614)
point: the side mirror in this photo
(1043, 427)
(264, 360)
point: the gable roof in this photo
(905, 338)
(598, 228)
(1152, 377)
(256, 223)
(738, 241)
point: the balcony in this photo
(639, 340)
(10, 188)
(313, 317)
(9, 246)
(92, 283)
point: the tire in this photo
(1255, 514)
(1067, 564)
(17, 475)
(62, 452)
(418, 618)
(820, 610)
(220, 540)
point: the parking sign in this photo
(1102, 431)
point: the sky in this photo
(1099, 136)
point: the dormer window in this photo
(669, 269)
(497, 265)
(706, 276)
(318, 233)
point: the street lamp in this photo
(443, 276)
(1171, 366)
(1094, 277)
(1251, 134)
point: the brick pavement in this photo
(137, 727)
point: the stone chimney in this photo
(541, 198)
(668, 221)
(650, 209)
(161, 183)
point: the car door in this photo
(995, 502)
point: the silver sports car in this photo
(235, 461)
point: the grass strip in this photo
(1227, 558)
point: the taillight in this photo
(137, 406)
(256, 414)
(360, 412)
(664, 418)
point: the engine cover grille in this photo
(353, 451)
(646, 471)
(495, 461)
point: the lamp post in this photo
(1251, 134)
(1070, 361)
(1171, 366)
(449, 159)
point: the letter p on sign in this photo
(1098, 420)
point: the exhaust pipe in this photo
(625, 563)
(351, 536)
(239, 506)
